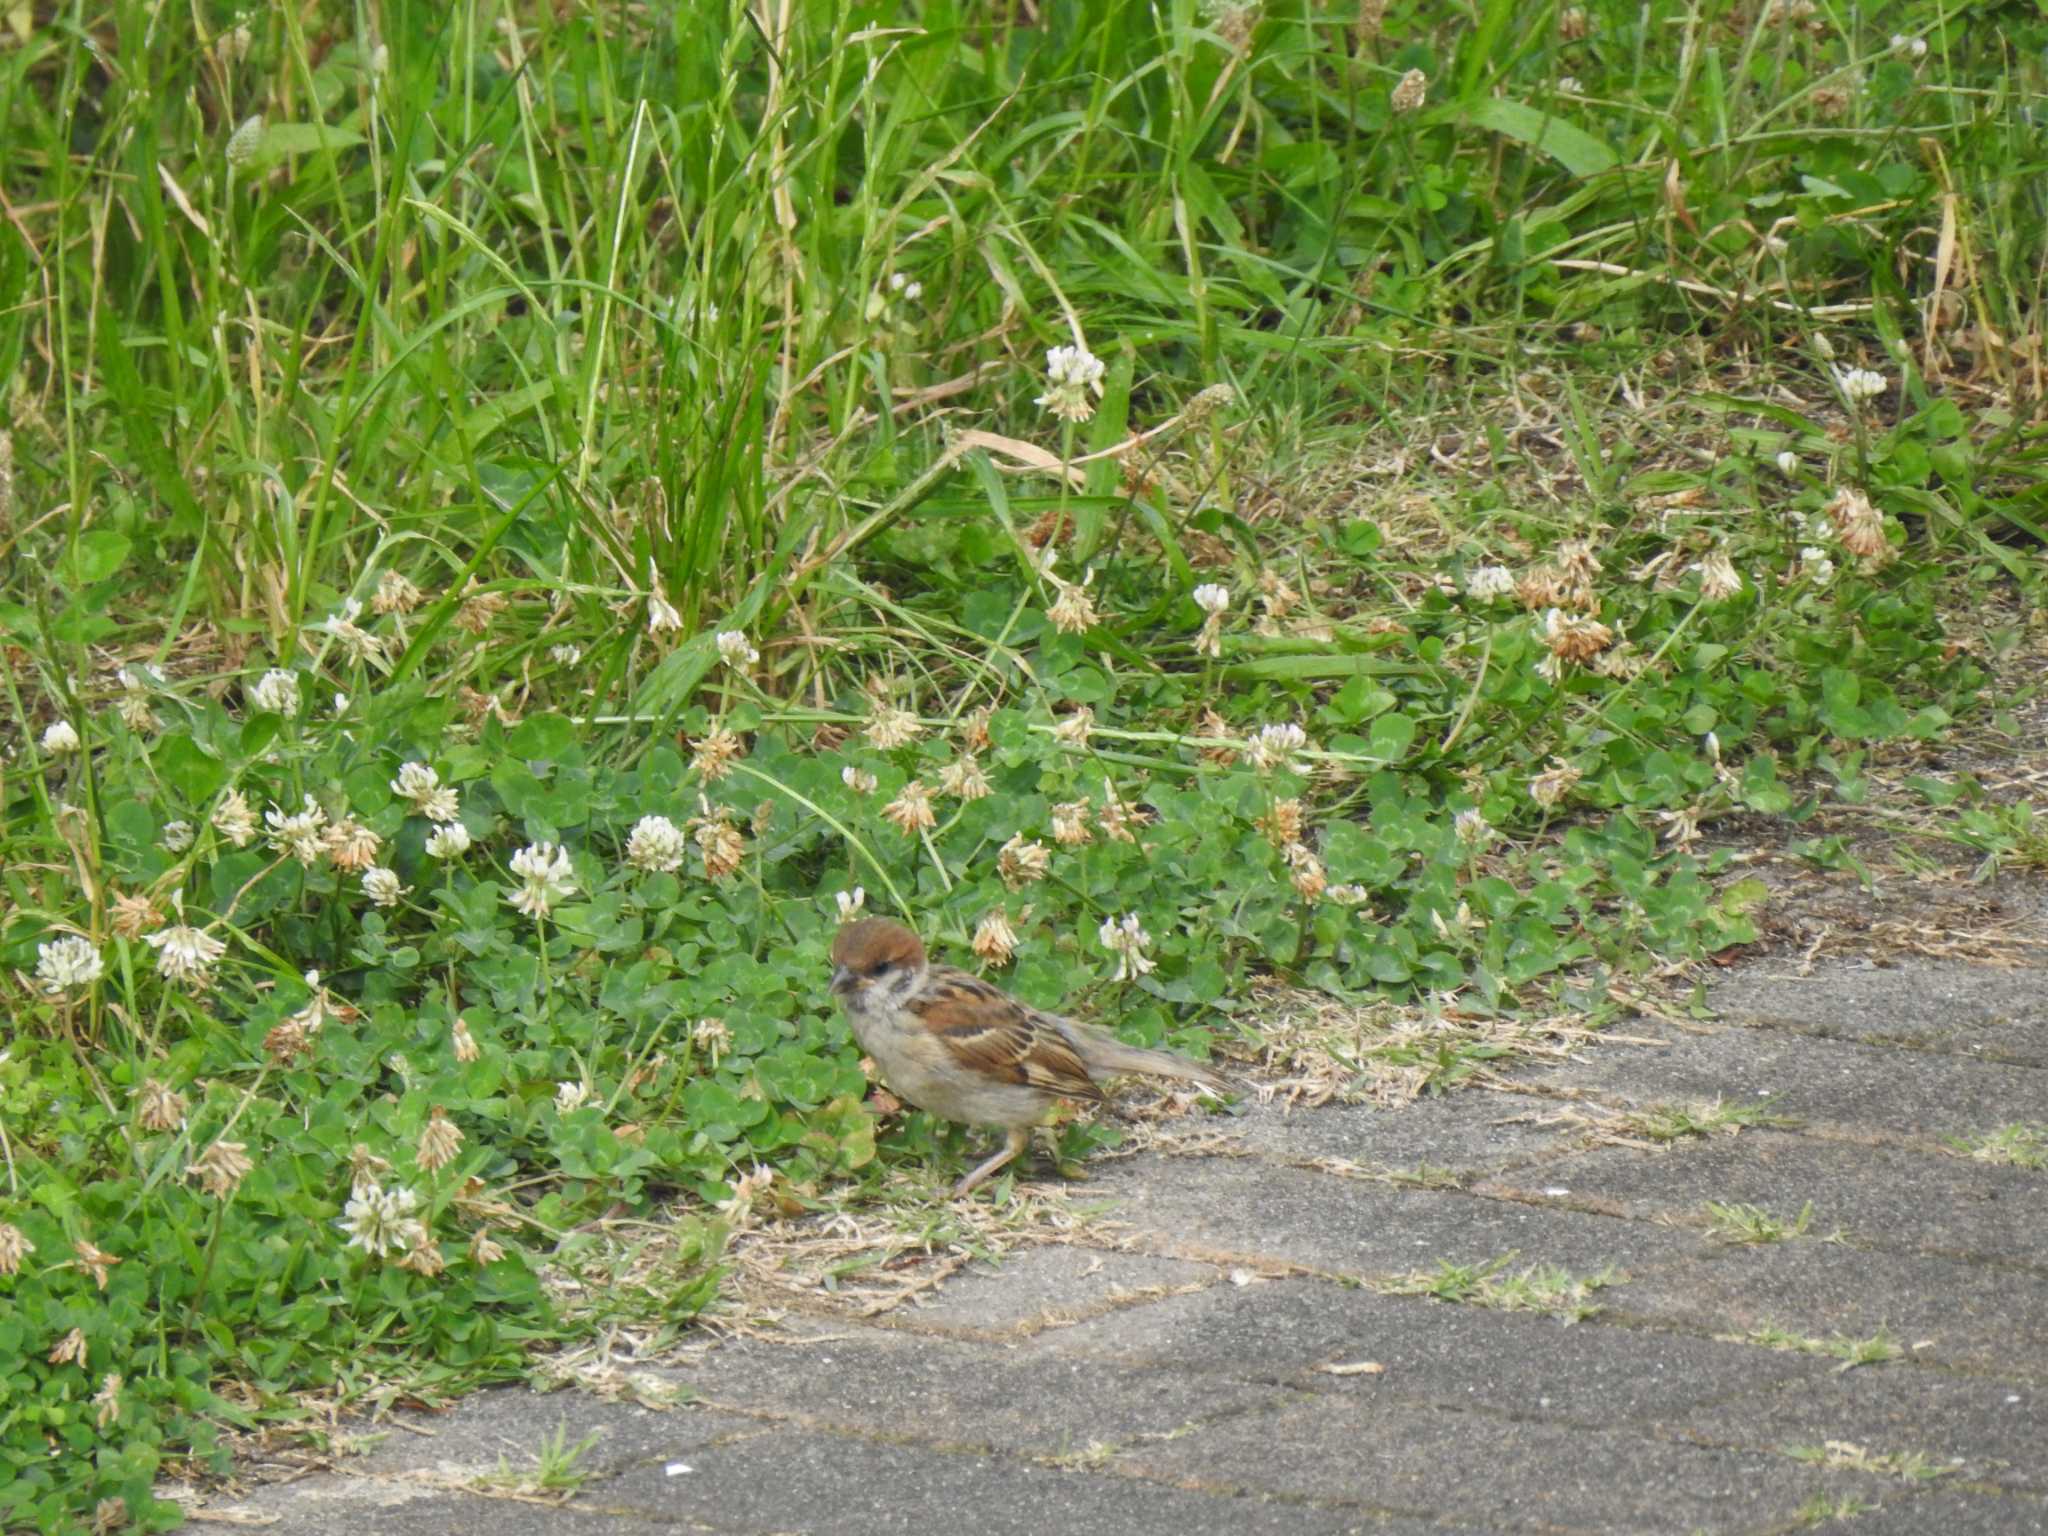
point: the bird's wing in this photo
(992, 1034)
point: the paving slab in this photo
(1014, 1397)
(1505, 1472)
(1833, 1083)
(1043, 1287)
(1974, 1429)
(1349, 1226)
(1946, 1312)
(408, 1483)
(1887, 1197)
(1468, 1134)
(1941, 1514)
(797, 1481)
(1509, 1363)
(1996, 1013)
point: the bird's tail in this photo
(1104, 1056)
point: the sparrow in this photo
(949, 1042)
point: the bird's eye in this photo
(884, 967)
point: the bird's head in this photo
(874, 960)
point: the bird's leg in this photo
(1016, 1141)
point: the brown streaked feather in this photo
(997, 1036)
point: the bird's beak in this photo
(842, 981)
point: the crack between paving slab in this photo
(1764, 1025)
(1681, 1219)
(1835, 1132)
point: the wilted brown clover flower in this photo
(14, 1247)
(1575, 639)
(159, 1107)
(911, 811)
(221, 1168)
(719, 841)
(1306, 871)
(1070, 824)
(714, 754)
(1858, 524)
(1282, 824)
(890, 727)
(440, 1140)
(351, 845)
(1021, 863)
(995, 941)
(95, 1261)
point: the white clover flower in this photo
(234, 820)
(1473, 829)
(1072, 372)
(360, 644)
(381, 886)
(1128, 942)
(1489, 582)
(1568, 85)
(735, 650)
(565, 655)
(448, 841)
(177, 836)
(1410, 92)
(912, 292)
(415, 782)
(1859, 386)
(571, 1096)
(1211, 598)
(1815, 565)
(381, 1221)
(1788, 463)
(1274, 746)
(60, 738)
(133, 707)
(661, 613)
(277, 691)
(1912, 47)
(1719, 579)
(183, 953)
(547, 875)
(849, 903)
(301, 833)
(71, 961)
(656, 843)
(420, 784)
